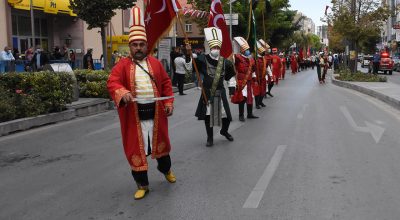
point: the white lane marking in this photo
(104, 129)
(375, 130)
(257, 194)
(303, 110)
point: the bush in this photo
(30, 94)
(346, 75)
(92, 83)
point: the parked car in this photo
(396, 61)
(386, 64)
(366, 60)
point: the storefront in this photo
(196, 42)
(53, 20)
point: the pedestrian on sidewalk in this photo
(142, 92)
(88, 60)
(376, 61)
(215, 69)
(6, 60)
(183, 65)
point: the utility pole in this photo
(353, 46)
(32, 25)
(230, 19)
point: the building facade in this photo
(54, 25)
(322, 32)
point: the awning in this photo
(48, 6)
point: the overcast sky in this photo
(313, 9)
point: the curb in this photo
(73, 111)
(384, 98)
(32, 122)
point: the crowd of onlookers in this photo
(35, 59)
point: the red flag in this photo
(159, 16)
(217, 20)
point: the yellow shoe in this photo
(141, 193)
(170, 177)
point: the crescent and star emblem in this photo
(214, 12)
(162, 8)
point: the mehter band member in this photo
(215, 69)
(142, 91)
(246, 76)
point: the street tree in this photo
(357, 21)
(98, 13)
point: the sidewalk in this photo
(387, 92)
(81, 108)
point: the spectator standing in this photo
(114, 57)
(6, 60)
(72, 58)
(66, 53)
(102, 62)
(39, 59)
(375, 63)
(183, 65)
(57, 54)
(88, 60)
(174, 54)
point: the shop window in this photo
(24, 26)
(14, 25)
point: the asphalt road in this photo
(317, 152)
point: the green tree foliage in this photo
(98, 13)
(305, 40)
(359, 24)
(278, 19)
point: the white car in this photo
(366, 60)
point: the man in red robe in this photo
(261, 74)
(293, 63)
(142, 92)
(283, 60)
(245, 67)
(276, 65)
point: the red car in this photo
(386, 64)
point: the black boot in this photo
(250, 111)
(269, 89)
(241, 111)
(261, 102)
(224, 129)
(258, 101)
(210, 139)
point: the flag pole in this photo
(193, 61)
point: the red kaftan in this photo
(122, 81)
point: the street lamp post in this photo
(32, 25)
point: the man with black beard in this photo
(214, 107)
(142, 92)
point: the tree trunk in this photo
(104, 45)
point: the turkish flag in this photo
(159, 17)
(217, 20)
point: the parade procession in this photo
(230, 71)
(199, 109)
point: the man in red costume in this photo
(276, 65)
(263, 73)
(245, 67)
(293, 63)
(283, 60)
(142, 91)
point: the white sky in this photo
(313, 9)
